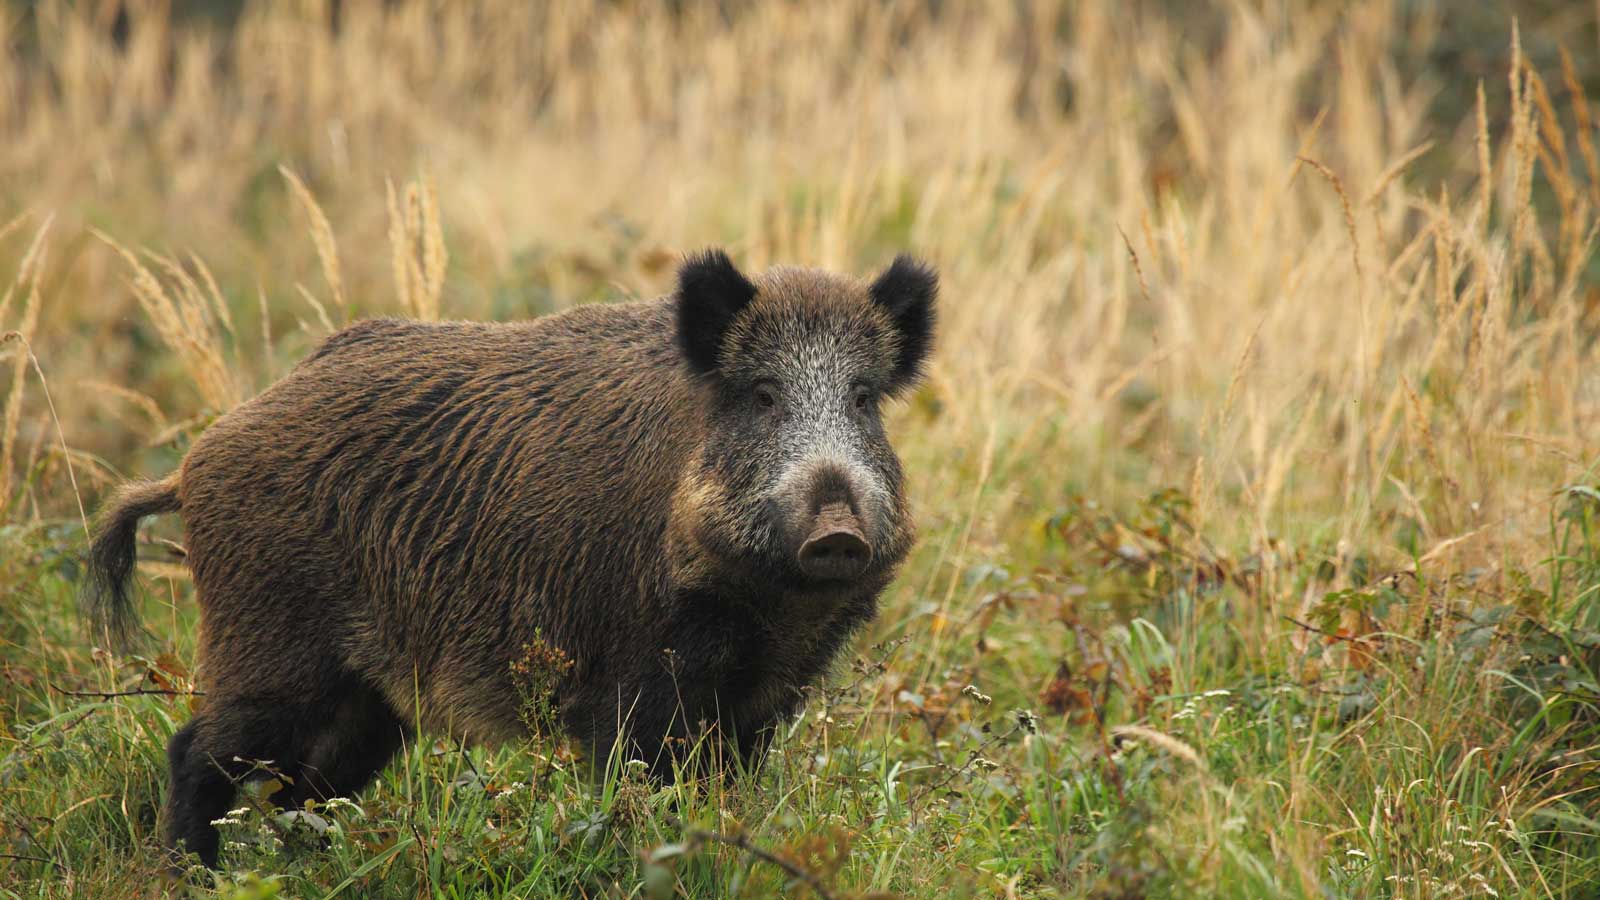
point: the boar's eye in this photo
(765, 397)
(862, 398)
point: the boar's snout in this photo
(835, 550)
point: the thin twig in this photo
(954, 773)
(1328, 634)
(799, 873)
(34, 839)
(936, 725)
(427, 875)
(80, 719)
(136, 692)
(1138, 270)
(871, 670)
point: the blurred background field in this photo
(1258, 471)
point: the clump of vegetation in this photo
(535, 675)
(1257, 471)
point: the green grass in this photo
(1446, 753)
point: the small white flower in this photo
(512, 788)
(345, 802)
(1356, 853)
(1218, 692)
(1027, 720)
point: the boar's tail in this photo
(107, 596)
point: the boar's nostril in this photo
(835, 550)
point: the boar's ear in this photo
(711, 291)
(906, 290)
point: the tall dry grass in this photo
(1164, 264)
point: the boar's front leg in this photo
(681, 711)
(673, 720)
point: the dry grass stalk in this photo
(14, 402)
(1485, 167)
(1396, 169)
(835, 170)
(416, 238)
(1161, 740)
(137, 399)
(322, 237)
(27, 282)
(1583, 125)
(13, 225)
(1344, 204)
(184, 320)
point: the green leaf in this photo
(368, 866)
(659, 882)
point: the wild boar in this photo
(691, 498)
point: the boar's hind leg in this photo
(330, 745)
(350, 746)
(208, 757)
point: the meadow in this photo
(1257, 472)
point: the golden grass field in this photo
(1260, 456)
